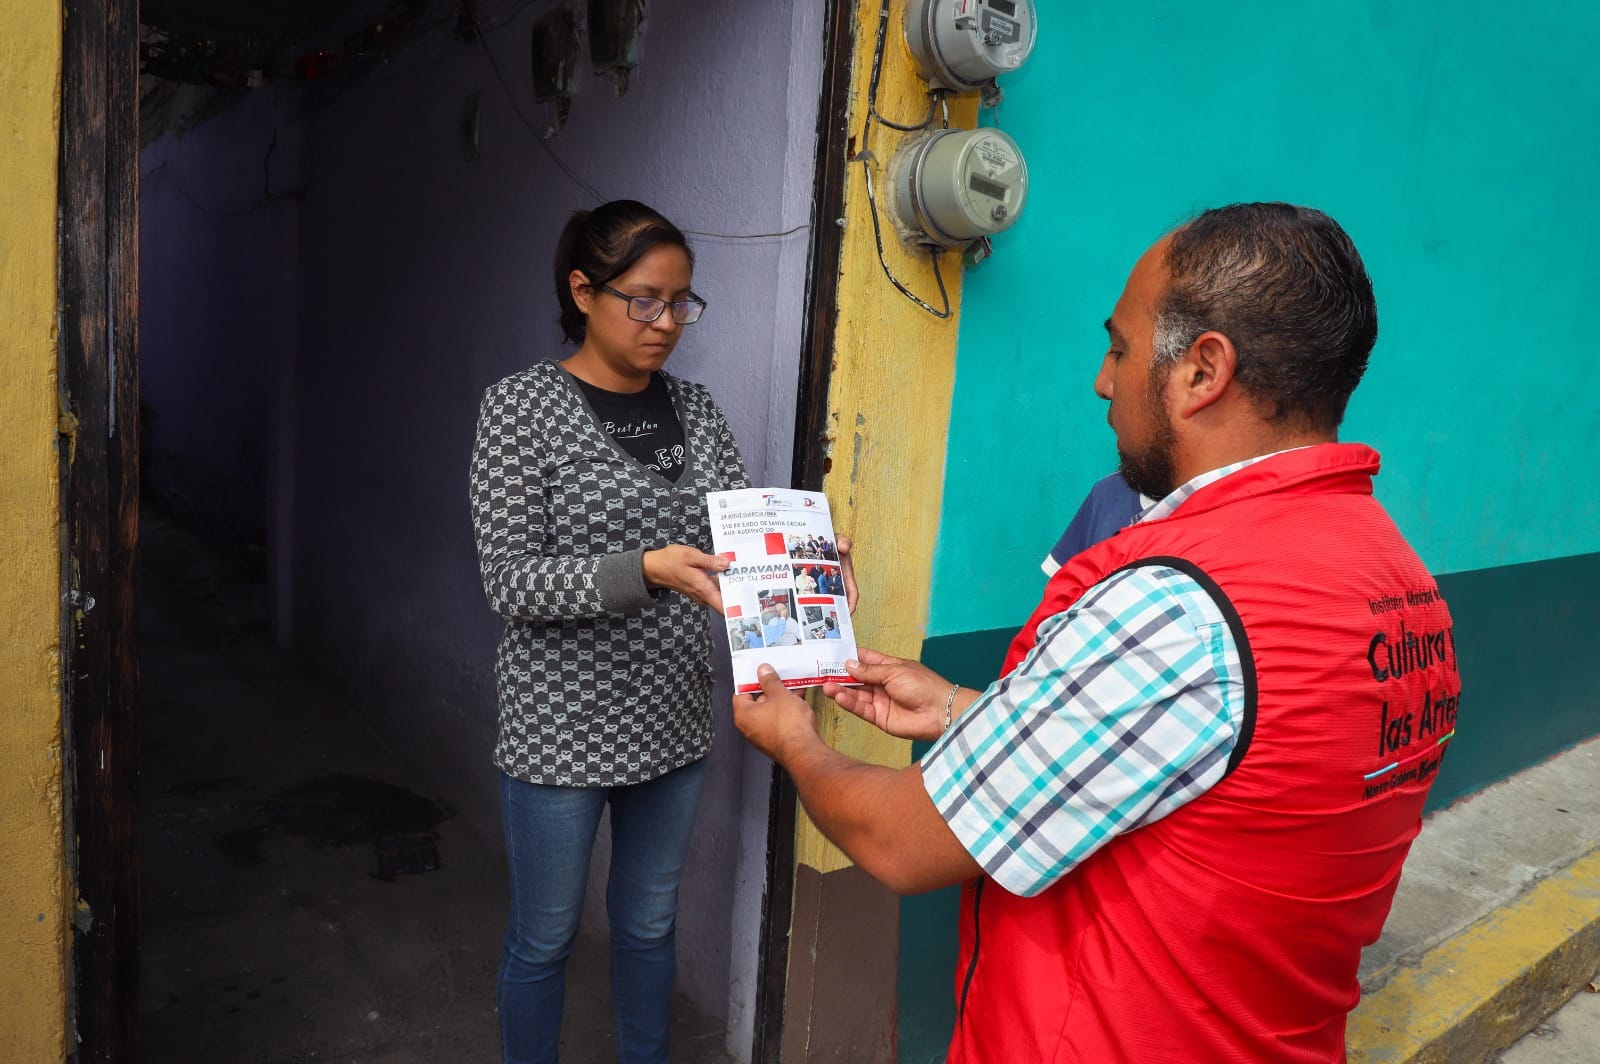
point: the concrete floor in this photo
(1474, 862)
(1570, 1036)
(267, 812)
(270, 937)
(1486, 850)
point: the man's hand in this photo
(882, 818)
(904, 698)
(847, 568)
(689, 572)
(776, 719)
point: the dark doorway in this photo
(232, 577)
(302, 899)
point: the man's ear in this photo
(1204, 373)
(582, 294)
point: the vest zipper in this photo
(972, 964)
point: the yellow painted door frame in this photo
(877, 379)
(35, 892)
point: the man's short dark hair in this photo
(1286, 285)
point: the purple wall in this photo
(419, 280)
(212, 274)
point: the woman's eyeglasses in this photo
(649, 308)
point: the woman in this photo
(588, 485)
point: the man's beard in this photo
(1151, 473)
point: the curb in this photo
(1482, 989)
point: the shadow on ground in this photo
(300, 900)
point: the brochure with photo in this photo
(783, 591)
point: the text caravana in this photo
(769, 571)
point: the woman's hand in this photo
(904, 698)
(689, 572)
(848, 570)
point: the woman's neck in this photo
(587, 365)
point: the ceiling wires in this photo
(469, 26)
(500, 22)
(542, 138)
(937, 100)
(538, 136)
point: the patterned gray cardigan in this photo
(602, 681)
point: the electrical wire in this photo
(477, 31)
(867, 159)
(538, 136)
(578, 180)
(935, 98)
(933, 253)
(748, 236)
(506, 18)
(267, 198)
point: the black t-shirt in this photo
(644, 424)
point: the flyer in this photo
(783, 591)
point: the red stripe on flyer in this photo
(843, 680)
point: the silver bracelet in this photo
(949, 701)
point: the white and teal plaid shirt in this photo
(1127, 708)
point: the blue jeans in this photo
(549, 837)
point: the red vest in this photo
(1232, 929)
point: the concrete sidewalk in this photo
(268, 939)
(1495, 925)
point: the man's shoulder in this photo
(1112, 499)
(1108, 508)
(1111, 486)
(1145, 582)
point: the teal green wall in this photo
(1457, 144)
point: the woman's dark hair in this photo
(604, 244)
(1287, 286)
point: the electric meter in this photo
(954, 187)
(965, 44)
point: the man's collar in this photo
(1171, 502)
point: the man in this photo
(779, 630)
(1185, 804)
(828, 580)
